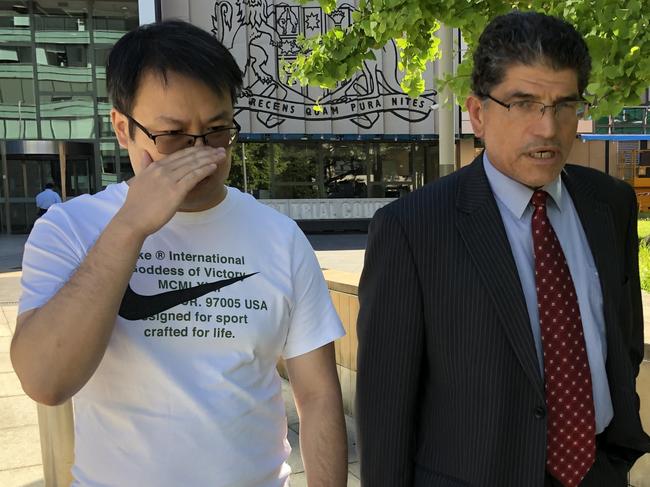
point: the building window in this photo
(395, 169)
(69, 16)
(64, 56)
(345, 170)
(111, 20)
(296, 171)
(15, 54)
(314, 169)
(14, 17)
(258, 168)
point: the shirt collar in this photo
(514, 195)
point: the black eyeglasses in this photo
(532, 111)
(172, 141)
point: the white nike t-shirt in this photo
(189, 394)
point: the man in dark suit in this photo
(500, 330)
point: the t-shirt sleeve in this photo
(51, 256)
(313, 321)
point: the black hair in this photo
(169, 46)
(49, 185)
(528, 38)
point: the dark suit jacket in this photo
(449, 391)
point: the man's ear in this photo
(475, 109)
(120, 127)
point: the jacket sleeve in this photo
(635, 335)
(626, 440)
(390, 355)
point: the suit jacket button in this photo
(540, 412)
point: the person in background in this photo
(46, 198)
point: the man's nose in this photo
(200, 140)
(547, 125)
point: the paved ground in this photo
(20, 455)
(343, 252)
(11, 252)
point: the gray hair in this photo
(528, 38)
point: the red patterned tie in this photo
(571, 433)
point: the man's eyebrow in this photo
(168, 119)
(221, 116)
(165, 118)
(574, 97)
(520, 94)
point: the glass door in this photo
(27, 177)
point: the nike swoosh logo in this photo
(137, 307)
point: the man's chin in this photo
(536, 177)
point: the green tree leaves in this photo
(616, 31)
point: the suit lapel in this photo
(481, 228)
(598, 224)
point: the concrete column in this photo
(446, 130)
(243, 161)
(62, 168)
(148, 11)
(5, 186)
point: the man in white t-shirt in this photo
(46, 198)
(162, 305)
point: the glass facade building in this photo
(53, 89)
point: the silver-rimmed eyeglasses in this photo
(532, 111)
